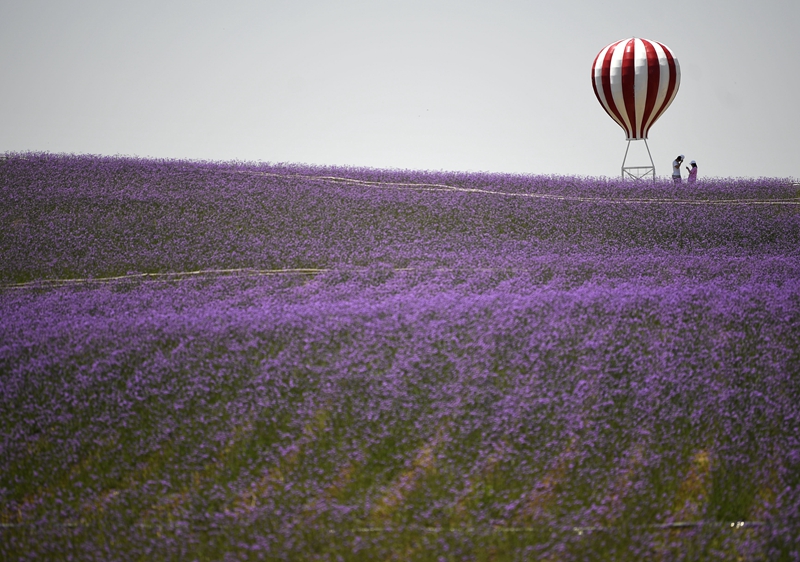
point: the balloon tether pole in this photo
(638, 172)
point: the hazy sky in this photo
(480, 85)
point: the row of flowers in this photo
(68, 217)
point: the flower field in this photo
(239, 361)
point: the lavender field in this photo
(238, 361)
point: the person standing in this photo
(692, 172)
(676, 169)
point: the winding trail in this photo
(547, 196)
(214, 273)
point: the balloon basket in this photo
(638, 172)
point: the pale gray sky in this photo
(473, 85)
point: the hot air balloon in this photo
(635, 80)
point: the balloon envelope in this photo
(635, 80)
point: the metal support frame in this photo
(638, 172)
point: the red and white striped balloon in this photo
(635, 81)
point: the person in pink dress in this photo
(692, 172)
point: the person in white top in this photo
(676, 169)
